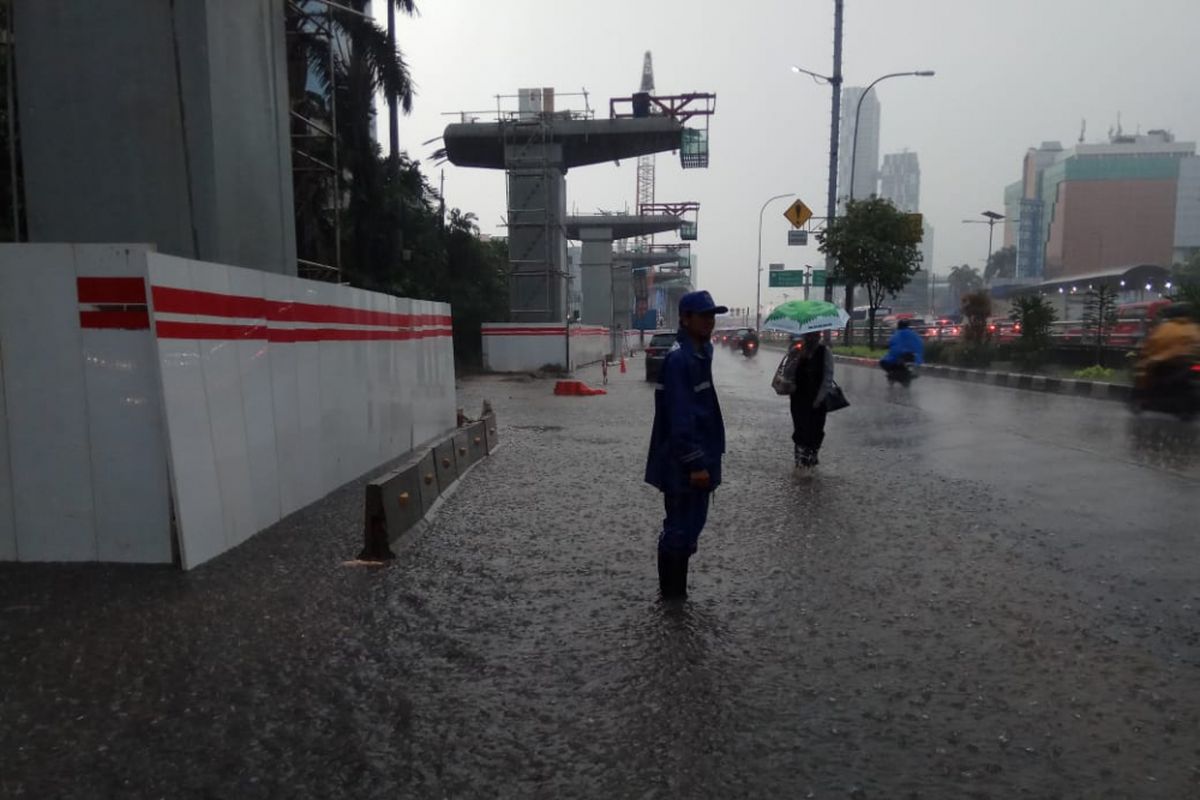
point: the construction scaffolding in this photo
(688, 214)
(693, 148)
(314, 139)
(534, 194)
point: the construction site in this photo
(627, 278)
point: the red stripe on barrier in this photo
(208, 331)
(112, 291)
(524, 333)
(115, 320)
(172, 300)
(544, 331)
(210, 304)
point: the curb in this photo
(406, 497)
(1096, 390)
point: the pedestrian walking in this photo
(814, 381)
(687, 440)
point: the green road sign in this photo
(818, 277)
(786, 278)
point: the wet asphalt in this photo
(980, 593)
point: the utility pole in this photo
(393, 110)
(835, 115)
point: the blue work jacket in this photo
(905, 340)
(689, 432)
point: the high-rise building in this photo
(1098, 207)
(900, 182)
(866, 155)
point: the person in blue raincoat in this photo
(905, 347)
(687, 440)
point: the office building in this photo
(866, 160)
(900, 182)
(1096, 208)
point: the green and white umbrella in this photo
(806, 316)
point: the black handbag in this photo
(835, 399)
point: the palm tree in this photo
(338, 59)
(1001, 264)
(964, 280)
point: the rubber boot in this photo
(672, 575)
(681, 571)
(665, 582)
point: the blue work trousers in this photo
(686, 514)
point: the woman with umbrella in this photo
(811, 369)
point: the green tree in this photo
(1099, 316)
(1035, 315)
(964, 280)
(976, 309)
(476, 281)
(325, 86)
(1002, 264)
(876, 246)
(1187, 273)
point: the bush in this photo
(859, 351)
(960, 354)
(972, 354)
(1096, 373)
(935, 351)
(1029, 355)
(976, 309)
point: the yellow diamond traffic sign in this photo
(798, 214)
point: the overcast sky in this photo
(1010, 75)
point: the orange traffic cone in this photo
(622, 363)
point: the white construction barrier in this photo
(155, 409)
(530, 346)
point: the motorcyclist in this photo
(1175, 341)
(905, 347)
(750, 340)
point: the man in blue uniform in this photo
(687, 441)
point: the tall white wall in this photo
(81, 431)
(233, 396)
(527, 347)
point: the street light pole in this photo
(923, 73)
(835, 119)
(990, 218)
(758, 278)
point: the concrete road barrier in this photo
(429, 487)
(446, 462)
(477, 442)
(401, 499)
(493, 433)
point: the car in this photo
(1002, 329)
(656, 351)
(736, 337)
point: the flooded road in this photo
(981, 593)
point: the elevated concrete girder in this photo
(584, 141)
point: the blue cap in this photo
(699, 303)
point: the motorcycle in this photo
(904, 372)
(749, 348)
(1170, 388)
